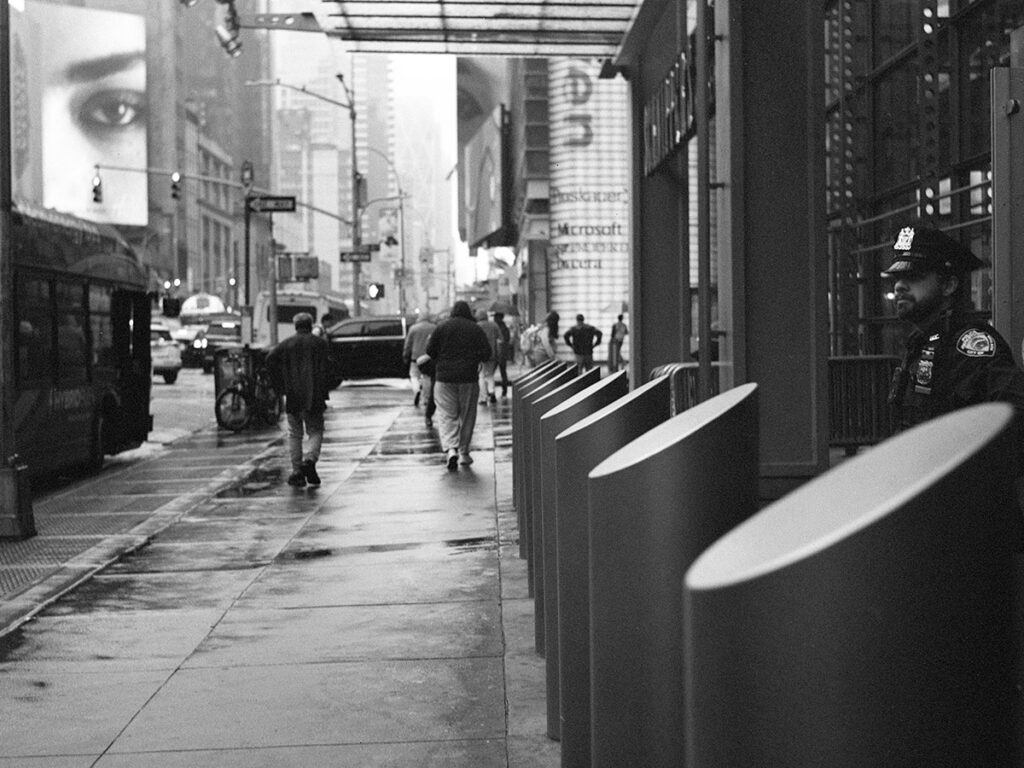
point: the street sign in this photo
(355, 256)
(273, 203)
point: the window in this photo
(35, 332)
(99, 324)
(72, 344)
(384, 328)
(286, 312)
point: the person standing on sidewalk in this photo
(619, 331)
(952, 359)
(415, 346)
(582, 338)
(457, 346)
(487, 368)
(298, 368)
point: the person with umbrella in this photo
(505, 350)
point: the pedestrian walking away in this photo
(488, 367)
(551, 321)
(415, 347)
(582, 338)
(618, 335)
(298, 368)
(506, 351)
(457, 346)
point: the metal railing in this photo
(858, 386)
(858, 413)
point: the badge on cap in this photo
(905, 240)
(976, 343)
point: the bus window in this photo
(72, 346)
(100, 325)
(35, 340)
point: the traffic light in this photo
(97, 189)
(176, 185)
(375, 291)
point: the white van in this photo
(326, 310)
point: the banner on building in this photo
(588, 259)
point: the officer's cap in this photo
(921, 249)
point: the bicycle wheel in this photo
(233, 409)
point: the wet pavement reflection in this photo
(380, 619)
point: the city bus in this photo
(82, 362)
(290, 302)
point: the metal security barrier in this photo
(520, 388)
(865, 618)
(858, 413)
(555, 421)
(578, 450)
(683, 383)
(655, 505)
(531, 461)
(536, 409)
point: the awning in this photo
(585, 28)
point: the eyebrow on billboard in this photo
(94, 69)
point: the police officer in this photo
(952, 360)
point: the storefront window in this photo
(895, 27)
(896, 128)
(985, 43)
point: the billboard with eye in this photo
(79, 94)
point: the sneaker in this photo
(453, 460)
(465, 458)
(309, 471)
(297, 479)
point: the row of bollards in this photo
(865, 619)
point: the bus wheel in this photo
(97, 450)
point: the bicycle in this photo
(247, 398)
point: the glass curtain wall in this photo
(908, 141)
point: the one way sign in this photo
(272, 204)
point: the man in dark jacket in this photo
(953, 360)
(582, 338)
(457, 346)
(298, 368)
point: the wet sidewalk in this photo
(380, 620)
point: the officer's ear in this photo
(949, 284)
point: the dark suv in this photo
(368, 348)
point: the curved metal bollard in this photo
(518, 386)
(531, 461)
(578, 450)
(865, 618)
(540, 466)
(655, 505)
(542, 374)
(557, 419)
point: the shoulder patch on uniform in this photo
(976, 343)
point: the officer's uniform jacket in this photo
(955, 363)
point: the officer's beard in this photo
(920, 311)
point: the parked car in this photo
(165, 352)
(368, 348)
(219, 334)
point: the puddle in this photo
(479, 542)
(257, 481)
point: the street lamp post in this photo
(351, 107)
(401, 227)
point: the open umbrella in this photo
(504, 307)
